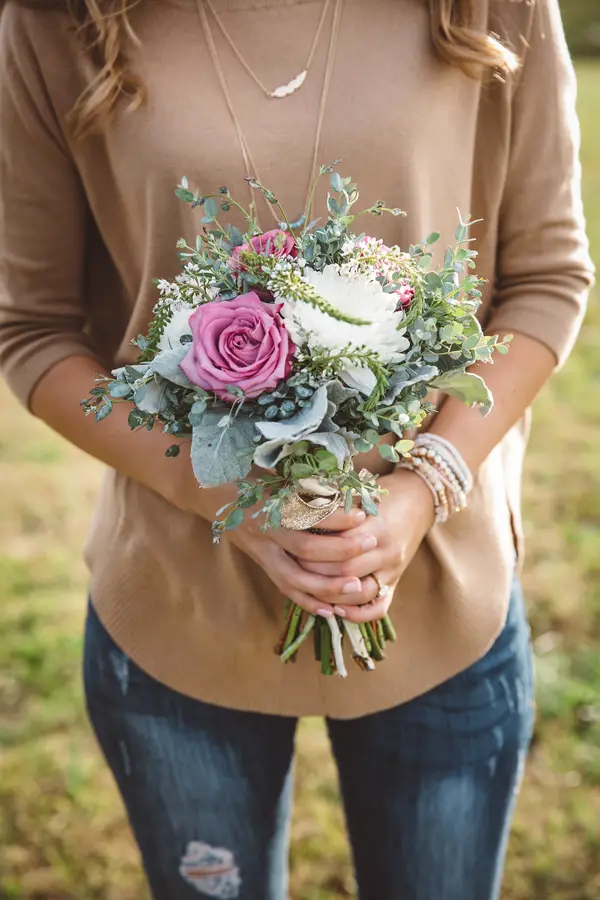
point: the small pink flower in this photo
(405, 294)
(239, 342)
(272, 243)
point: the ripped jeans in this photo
(428, 787)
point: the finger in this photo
(368, 594)
(375, 609)
(282, 571)
(295, 578)
(311, 604)
(359, 567)
(322, 547)
(341, 521)
(360, 614)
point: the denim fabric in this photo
(428, 787)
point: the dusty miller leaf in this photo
(221, 455)
(466, 386)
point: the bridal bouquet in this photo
(280, 355)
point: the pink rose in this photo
(239, 342)
(272, 243)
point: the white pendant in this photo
(285, 90)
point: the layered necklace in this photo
(284, 90)
(205, 6)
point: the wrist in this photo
(443, 470)
(408, 485)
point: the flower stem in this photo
(295, 620)
(298, 641)
(317, 639)
(336, 645)
(388, 629)
(358, 644)
(289, 611)
(376, 651)
(366, 638)
(326, 668)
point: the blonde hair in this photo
(107, 34)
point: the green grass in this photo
(62, 832)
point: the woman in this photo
(104, 105)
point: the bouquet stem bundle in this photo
(367, 640)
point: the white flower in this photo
(176, 328)
(356, 296)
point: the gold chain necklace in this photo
(249, 163)
(297, 81)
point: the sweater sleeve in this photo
(43, 220)
(544, 270)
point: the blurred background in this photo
(62, 832)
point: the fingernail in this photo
(360, 515)
(339, 611)
(352, 587)
(369, 543)
(325, 613)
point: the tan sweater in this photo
(85, 227)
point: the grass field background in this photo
(62, 831)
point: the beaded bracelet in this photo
(444, 471)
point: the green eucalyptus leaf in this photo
(136, 418)
(433, 281)
(300, 448)
(235, 236)
(104, 410)
(368, 504)
(301, 470)
(234, 519)
(471, 342)
(336, 182)
(118, 390)
(211, 208)
(362, 446)
(404, 447)
(388, 452)
(196, 413)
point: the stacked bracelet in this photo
(444, 471)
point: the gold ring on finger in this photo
(383, 590)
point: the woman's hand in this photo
(405, 516)
(276, 552)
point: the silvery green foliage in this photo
(406, 376)
(167, 364)
(314, 422)
(465, 386)
(222, 448)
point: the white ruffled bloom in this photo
(356, 296)
(176, 328)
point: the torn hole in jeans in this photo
(211, 871)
